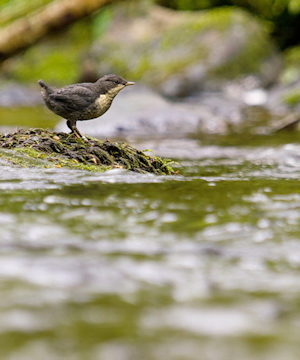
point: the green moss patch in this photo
(292, 97)
(44, 148)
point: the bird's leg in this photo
(72, 126)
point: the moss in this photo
(249, 58)
(22, 159)
(291, 69)
(44, 148)
(187, 39)
(219, 19)
(292, 98)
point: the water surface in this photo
(201, 265)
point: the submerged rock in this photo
(38, 147)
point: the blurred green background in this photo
(70, 53)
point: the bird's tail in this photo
(45, 86)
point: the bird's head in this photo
(112, 84)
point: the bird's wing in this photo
(73, 98)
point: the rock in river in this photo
(46, 149)
(182, 52)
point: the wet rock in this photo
(38, 147)
(180, 53)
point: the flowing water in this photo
(117, 266)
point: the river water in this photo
(117, 266)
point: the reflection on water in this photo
(126, 266)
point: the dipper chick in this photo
(83, 101)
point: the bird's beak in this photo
(129, 83)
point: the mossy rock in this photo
(178, 52)
(291, 72)
(44, 148)
(291, 97)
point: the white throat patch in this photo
(104, 100)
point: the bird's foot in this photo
(82, 137)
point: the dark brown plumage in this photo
(83, 101)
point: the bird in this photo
(82, 101)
